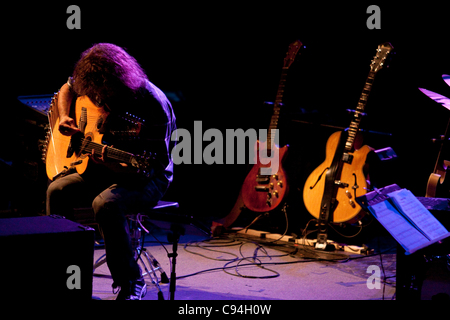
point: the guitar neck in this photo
(276, 109)
(358, 114)
(111, 152)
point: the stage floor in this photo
(242, 267)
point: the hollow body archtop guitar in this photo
(331, 189)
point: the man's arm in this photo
(67, 125)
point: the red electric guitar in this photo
(262, 192)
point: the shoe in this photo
(133, 290)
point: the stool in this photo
(150, 264)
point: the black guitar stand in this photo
(326, 208)
(329, 200)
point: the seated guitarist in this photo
(113, 80)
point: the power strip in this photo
(305, 242)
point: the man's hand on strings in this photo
(102, 159)
(67, 126)
(98, 159)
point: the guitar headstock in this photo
(143, 163)
(294, 49)
(379, 60)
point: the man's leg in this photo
(63, 193)
(110, 208)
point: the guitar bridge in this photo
(72, 164)
(261, 189)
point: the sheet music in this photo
(407, 236)
(417, 214)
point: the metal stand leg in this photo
(154, 264)
(151, 273)
(150, 264)
(99, 262)
(174, 237)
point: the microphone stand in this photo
(174, 237)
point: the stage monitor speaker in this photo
(45, 258)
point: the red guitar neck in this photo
(276, 109)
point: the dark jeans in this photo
(112, 198)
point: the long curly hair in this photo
(107, 74)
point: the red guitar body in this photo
(262, 193)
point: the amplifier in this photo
(45, 257)
(40, 103)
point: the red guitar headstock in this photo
(294, 49)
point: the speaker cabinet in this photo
(45, 258)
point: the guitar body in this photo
(346, 210)
(331, 190)
(264, 193)
(57, 158)
(437, 185)
(432, 185)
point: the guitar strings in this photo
(111, 152)
(51, 120)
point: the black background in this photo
(225, 60)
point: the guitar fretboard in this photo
(112, 153)
(357, 116)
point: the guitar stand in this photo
(174, 237)
(329, 202)
(326, 209)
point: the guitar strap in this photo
(328, 203)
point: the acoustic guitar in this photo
(340, 177)
(66, 154)
(262, 192)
